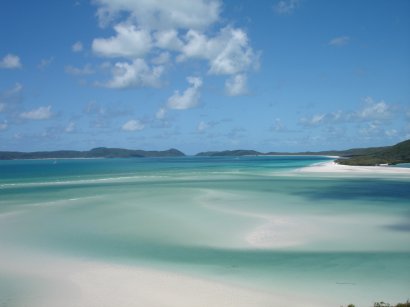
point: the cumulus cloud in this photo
(370, 111)
(374, 110)
(77, 47)
(228, 52)
(236, 85)
(314, 120)
(339, 41)
(162, 58)
(168, 39)
(129, 42)
(189, 98)
(10, 61)
(177, 14)
(160, 29)
(40, 113)
(286, 7)
(133, 125)
(86, 70)
(134, 74)
(376, 129)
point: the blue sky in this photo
(287, 75)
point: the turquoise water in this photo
(247, 220)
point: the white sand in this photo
(72, 282)
(332, 167)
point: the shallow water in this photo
(248, 220)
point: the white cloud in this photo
(228, 53)
(371, 129)
(174, 14)
(236, 55)
(161, 113)
(77, 47)
(162, 58)
(168, 39)
(4, 126)
(189, 98)
(133, 125)
(286, 7)
(86, 70)
(129, 42)
(278, 126)
(44, 63)
(339, 41)
(374, 110)
(15, 90)
(371, 111)
(70, 127)
(10, 61)
(202, 126)
(155, 31)
(40, 113)
(314, 120)
(390, 132)
(93, 108)
(135, 74)
(236, 85)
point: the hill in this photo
(342, 153)
(235, 153)
(399, 153)
(100, 152)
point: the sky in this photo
(199, 75)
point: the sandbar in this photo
(64, 282)
(333, 167)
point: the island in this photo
(387, 155)
(99, 152)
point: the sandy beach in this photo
(49, 281)
(333, 167)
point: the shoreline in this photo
(88, 283)
(333, 167)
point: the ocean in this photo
(247, 222)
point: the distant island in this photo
(99, 152)
(399, 153)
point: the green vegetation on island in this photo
(229, 153)
(399, 153)
(383, 304)
(341, 153)
(100, 152)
